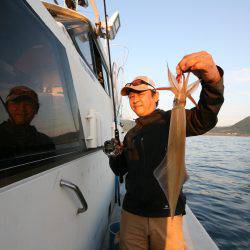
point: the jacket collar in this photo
(148, 119)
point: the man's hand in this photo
(112, 148)
(200, 64)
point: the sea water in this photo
(219, 186)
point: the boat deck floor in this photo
(115, 216)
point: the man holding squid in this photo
(146, 221)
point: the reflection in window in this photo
(38, 109)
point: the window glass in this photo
(100, 70)
(82, 41)
(38, 108)
(106, 79)
(87, 47)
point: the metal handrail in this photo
(76, 189)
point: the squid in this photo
(171, 172)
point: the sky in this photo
(156, 32)
(160, 31)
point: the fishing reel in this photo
(112, 148)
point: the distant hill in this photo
(127, 125)
(240, 128)
(66, 138)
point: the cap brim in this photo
(14, 97)
(141, 87)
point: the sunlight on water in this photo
(218, 188)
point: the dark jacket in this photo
(145, 146)
(17, 140)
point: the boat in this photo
(60, 196)
(60, 199)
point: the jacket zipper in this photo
(144, 158)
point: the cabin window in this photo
(87, 47)
(101, 69)
(105, 78)
(83, 43)
(39, 118)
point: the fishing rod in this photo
(111, 75)
(4, 104)
(6, 109)
(113, 97)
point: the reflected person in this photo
(18, 137)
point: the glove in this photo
(112, 148)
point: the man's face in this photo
(22, 111)
(144, 102)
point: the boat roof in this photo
(66, 12)
(66, 15)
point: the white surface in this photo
(195, 235)
(36, 213)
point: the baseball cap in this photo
(19, 91)
(140, 83)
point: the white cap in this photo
(138, 85)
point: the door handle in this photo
(76, 189)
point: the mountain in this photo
(240, 128)
(127, 125)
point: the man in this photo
(145, 218)
(18, 137)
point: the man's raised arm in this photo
(204, 117)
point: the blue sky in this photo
(158, 31)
